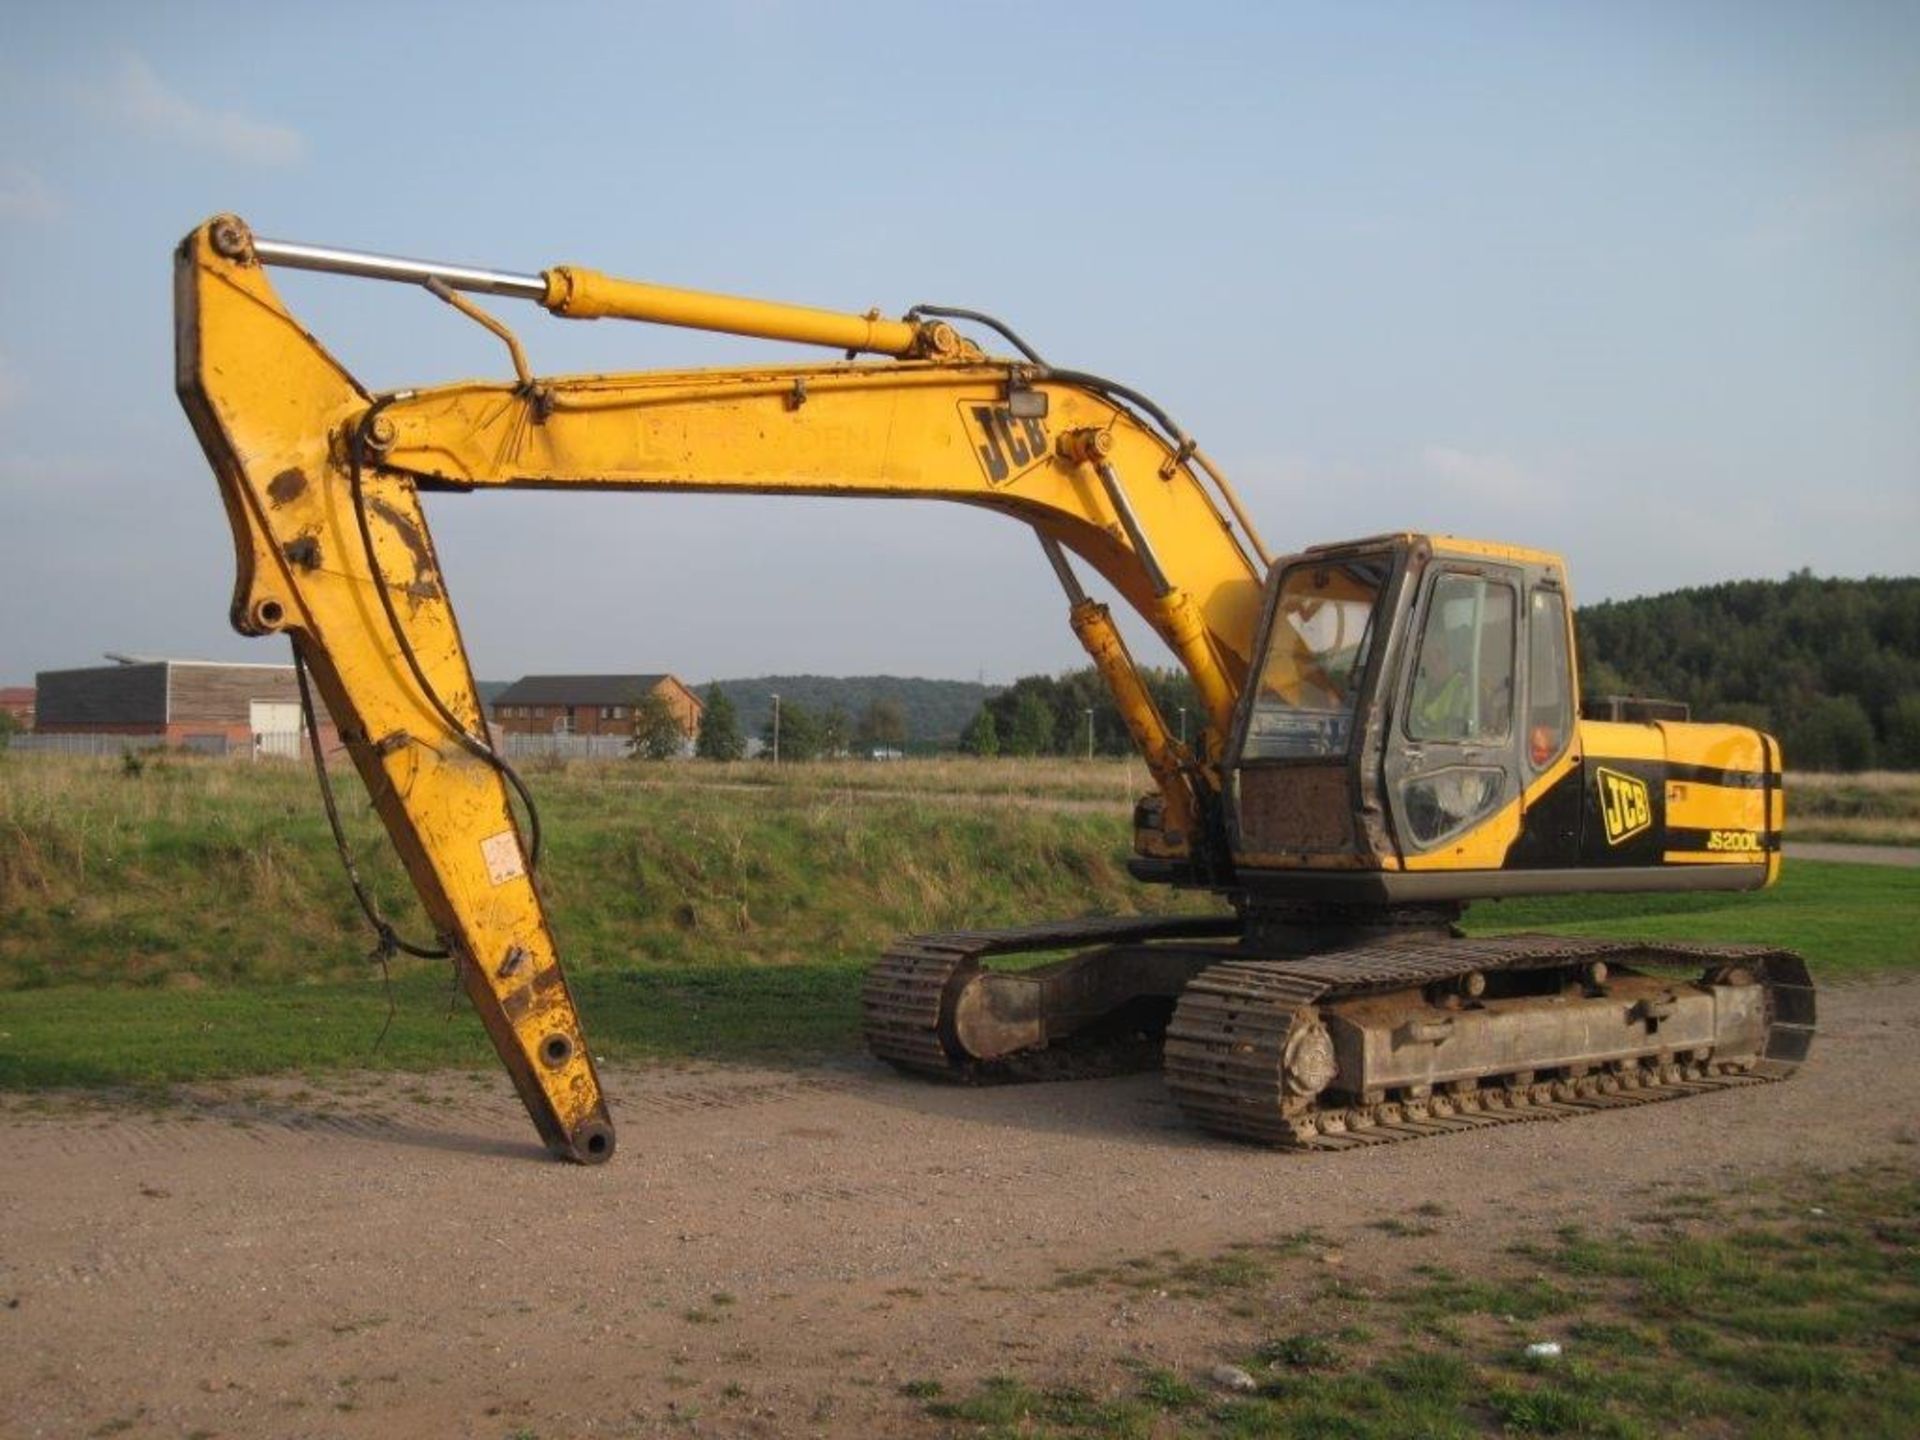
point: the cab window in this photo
(1463, 683)
(1316, 660)
(1549, 678)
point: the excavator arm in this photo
(322, 483)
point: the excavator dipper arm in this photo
(322, 483)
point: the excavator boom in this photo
(322, 483)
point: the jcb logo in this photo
(1007, 445)
(1626, 807)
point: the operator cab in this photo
(1410, 690)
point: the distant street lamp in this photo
(1089, 734)
(776, 729)
(1183, 724)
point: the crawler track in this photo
(1227, 1047)
(906, 1000)
(1227, 1050)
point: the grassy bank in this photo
(209, 872)
(191, 920)
(1875, 808)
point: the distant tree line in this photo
(803, 733)
(934, 710)
(1059, 714)
(1832, 667)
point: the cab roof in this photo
(1445, 545)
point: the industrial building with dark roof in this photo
(198, 704)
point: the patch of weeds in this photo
(1402, 1229)
(1168, 1390)
(1797, 1368)
(1301, 1352)
(1081, 1279)
(698, 1316)
(1529, 1299)
(1605, 1335)
(999, 1400)
(1426, 1377)
(1013, 1407)
(733, 1390)
(922, 1389)
(1201, 1278)
(1550, 1410)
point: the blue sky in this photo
(1640, 283)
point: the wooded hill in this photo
(1832, 667)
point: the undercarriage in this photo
(1331, 1030)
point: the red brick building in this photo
(589, 704)
(17, 701)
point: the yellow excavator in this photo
(1392, 725)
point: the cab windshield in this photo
(1317, 650)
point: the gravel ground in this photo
(771, 1253)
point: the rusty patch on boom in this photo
(289, 485)
(425, 583)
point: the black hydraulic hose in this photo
(1113, 390)
(390, 939)
(1004, 330)
(472, 743)
(1121, 396)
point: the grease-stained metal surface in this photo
(266, 403)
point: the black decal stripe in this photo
(1713, 775)
(1682, 838)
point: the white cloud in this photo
(25, 196)
(138, 96)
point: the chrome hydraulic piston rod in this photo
(577, 293)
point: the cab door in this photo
(1451, 759)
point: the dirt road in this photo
(772, 1253)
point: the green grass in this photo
(1788, 1310)
(1848, 920)
(117, 1035)
(192, 922)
